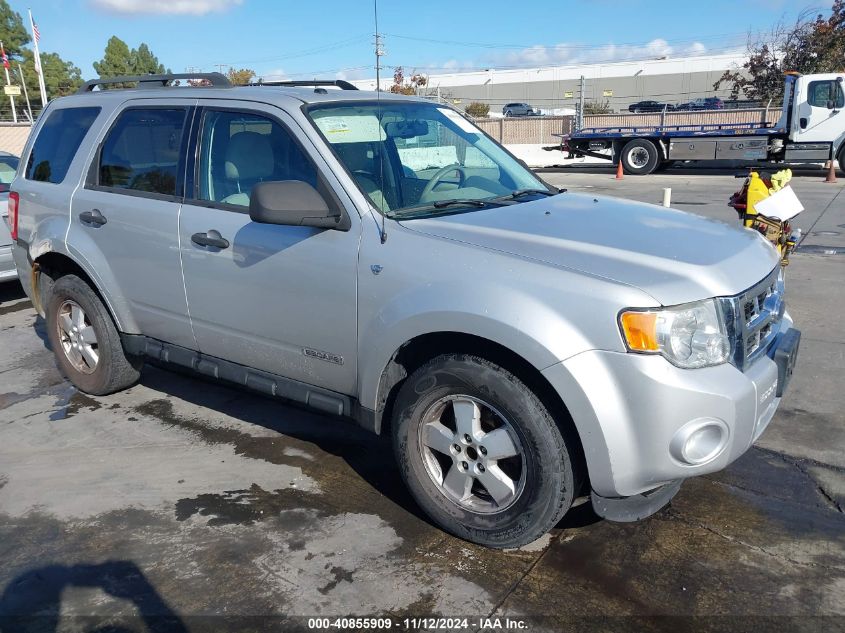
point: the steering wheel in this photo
(438, 176)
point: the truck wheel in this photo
(639, 157)
(841, 159)
(480, 452)
(85, 340)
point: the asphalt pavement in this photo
(183, 504)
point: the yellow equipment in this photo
(755, 189)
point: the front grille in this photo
(754, 318)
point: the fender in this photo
(522, 323)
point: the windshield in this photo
(414, 159)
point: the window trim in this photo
(92, 179)
(192, 197)
(24, 163)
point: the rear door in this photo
(129, 210)
(282, 299)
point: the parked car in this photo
(710, 103)
(8, 167)
(379, 257)
(519, 109)
(649, 106)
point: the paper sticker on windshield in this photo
(357, 128)
(333, 125)
(458, 120)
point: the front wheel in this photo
(639, 157)
(480, 452)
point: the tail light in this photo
(14, 205)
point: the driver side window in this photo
(819, 93)
(238, 150)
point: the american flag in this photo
(5, 57)
(35, 32)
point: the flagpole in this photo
(9, 82)
(38, 68)
(25, 93)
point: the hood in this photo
(672, 255)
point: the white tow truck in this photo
(811, 129)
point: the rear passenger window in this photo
(141, 152)
(57, 142)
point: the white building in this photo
(669, 80)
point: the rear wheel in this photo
(480, 452)
(639, 157)
(85, 341)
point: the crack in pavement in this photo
(672, 513)
(553, 541)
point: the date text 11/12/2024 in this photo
(418, 623)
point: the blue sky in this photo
(333, 38)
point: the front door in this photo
(277, 298)
(129, 209)
(820, 117)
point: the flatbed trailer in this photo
(809, 130)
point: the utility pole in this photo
(582, 90)
(379, 50)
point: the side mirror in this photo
(831, 104)
(292, 203)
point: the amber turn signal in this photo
(640, 331)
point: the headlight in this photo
(690, 335)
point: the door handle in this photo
(93, 217)
(210, 238)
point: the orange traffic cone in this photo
(831, 172)
(619, 170)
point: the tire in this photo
(74, 314)
(441, 400)
(841, 159)
(639, 157)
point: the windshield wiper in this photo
(471, 202)
(525, 192)
(440, 204)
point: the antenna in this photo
(379, 51)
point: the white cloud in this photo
(171, 7)
(277, 74)
(560, 54)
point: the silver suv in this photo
(379, 257)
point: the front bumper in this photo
(628, 409)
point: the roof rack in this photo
(340, 83)
(216, 80)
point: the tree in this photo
(143, 62)
(598, 107)
(60, 77)
(400, 87)
(240, 77)
(811, 45)
(116, 61)
(12, 31)
(119, 60)
(477, 110)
